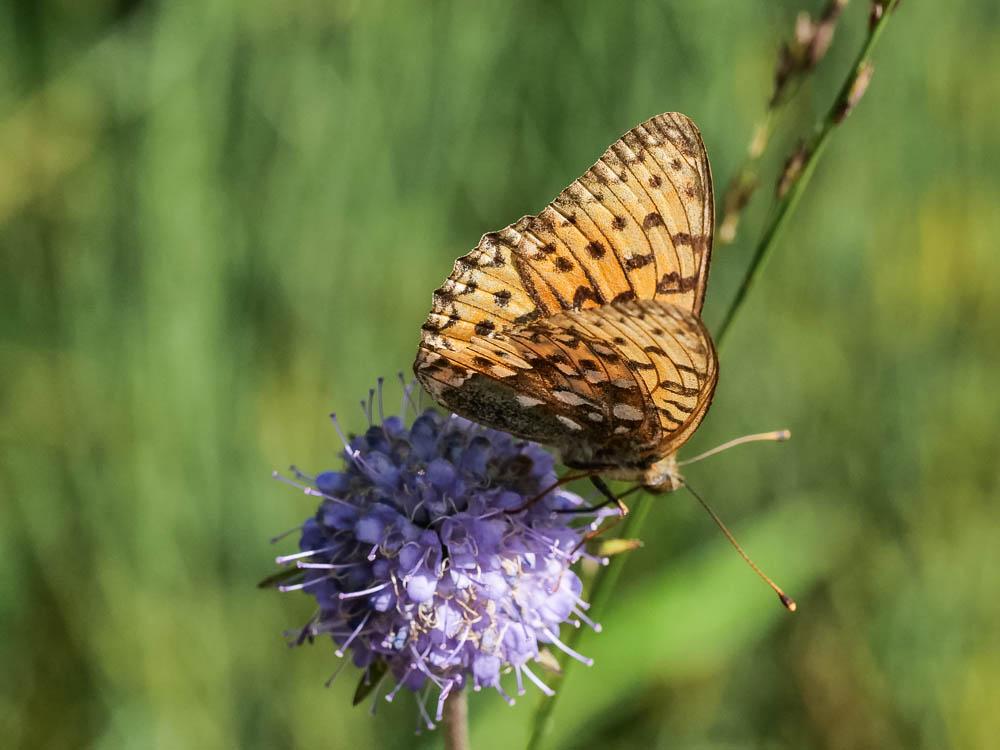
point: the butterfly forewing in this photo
(636, 225)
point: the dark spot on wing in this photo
(582, 295)
(642, 365)
(596, 250)
(443, 297)
(678, 388)
(679, 406)
(674, 282)
(563, 264)
(638, 261)
(652, 219)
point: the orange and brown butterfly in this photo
(580, 328)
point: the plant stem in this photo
(813, 150)
(605, 579)
(456, 721)
(600, 590)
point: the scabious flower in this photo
(428, 562)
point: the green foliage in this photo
(219, 221)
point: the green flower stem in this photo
(842, 104)
(606, 578)
(456, 721)
(600, 589)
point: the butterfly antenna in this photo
(778, 436)
(786, 600)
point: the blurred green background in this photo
(220, 221)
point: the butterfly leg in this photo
(561, 481)
(610, 497)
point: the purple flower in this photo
(426, 564)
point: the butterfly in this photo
(579, 327)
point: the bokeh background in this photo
(221, 220)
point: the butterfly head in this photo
(663, 476)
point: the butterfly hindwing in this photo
(614, 386)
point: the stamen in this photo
(566, 649)
(340, 650)
(407, 396)
(391, 695)
(420, 698)
(520, 681)
(538, 683)
(462, 640)
(308, 553)
(355, 455)
(300, 586)
(381, 409)
(507, 699)
(311, 491)
(291, 483)
(553, 547)
(595, 626)
(363, 592)
(421, 666)
(445, 692)
(340, 432)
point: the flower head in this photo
(428, 560)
